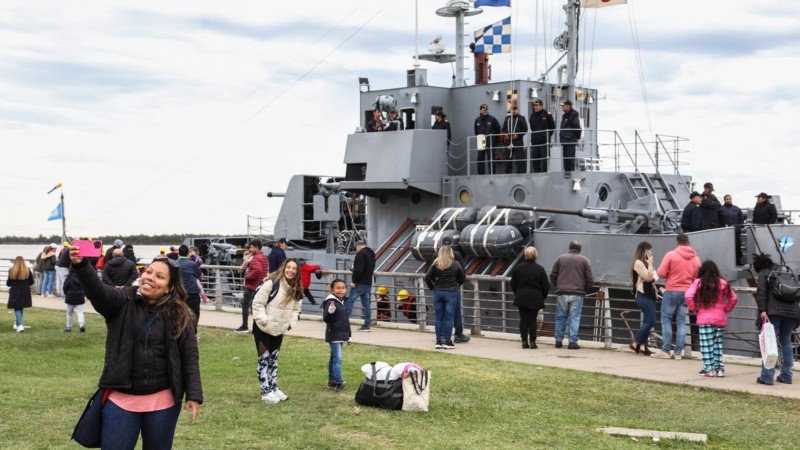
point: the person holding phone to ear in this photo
(151, 360)
(643, 277)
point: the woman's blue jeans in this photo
(648, 307)
(784, 326)
(121, 428)
(48, 282)
(444, 303)
(335, 364)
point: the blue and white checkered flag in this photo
(495, 38)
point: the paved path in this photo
(740, 373)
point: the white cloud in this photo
(179, 116)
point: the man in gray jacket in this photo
(573, 277)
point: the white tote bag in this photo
(769, 344)
(416, 390)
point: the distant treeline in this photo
(136, 239)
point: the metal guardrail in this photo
(612, 152)
(610, 315)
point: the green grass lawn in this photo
(47, 375)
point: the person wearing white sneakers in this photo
(276, 308)
(20, 279)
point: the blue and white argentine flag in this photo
(495, 38)
(57, 213)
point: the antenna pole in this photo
(63, 218)
(416, 34)
(572, 46)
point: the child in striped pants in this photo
(712, 298)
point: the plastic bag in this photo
(769, 344)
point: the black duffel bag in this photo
(384, 393)
(784, 285)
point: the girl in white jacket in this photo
(276, 307)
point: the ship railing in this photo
(610, 316)
(597, 150)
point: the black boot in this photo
(525, 344)
(533, 344)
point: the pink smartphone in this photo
(89, 249)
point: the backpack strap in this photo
(274, 292)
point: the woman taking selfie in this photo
(151, 360)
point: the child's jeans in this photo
(335, 364)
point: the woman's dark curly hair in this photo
(762, 261)
(708, 290)
(172, 307)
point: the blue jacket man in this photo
(731, 215)
(569, 133)
(692, 217)
(190, 276)
(542, 125)
(277, 255)
(488, 126)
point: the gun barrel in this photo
(276, 194)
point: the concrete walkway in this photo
(740, 373)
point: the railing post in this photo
(608, 335)
(476, 310)
(217, 289)
(422, 309)
(469, 153)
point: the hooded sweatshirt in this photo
(679, 267)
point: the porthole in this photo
(416, 197)
(464, 196)
(383, 198)
(519, 195)
(672, 189)
(602, 192)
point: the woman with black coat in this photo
(531, 286)
(20, 278)
(784, 316)
(151, 360)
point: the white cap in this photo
(53, 245)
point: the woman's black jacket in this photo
(125, 313)
(530, 284)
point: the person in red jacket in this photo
(305, 278)
(256, 271)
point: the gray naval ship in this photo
(404, 191)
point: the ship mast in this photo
(458, 9)
(572, 10)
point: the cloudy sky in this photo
(180, 116)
